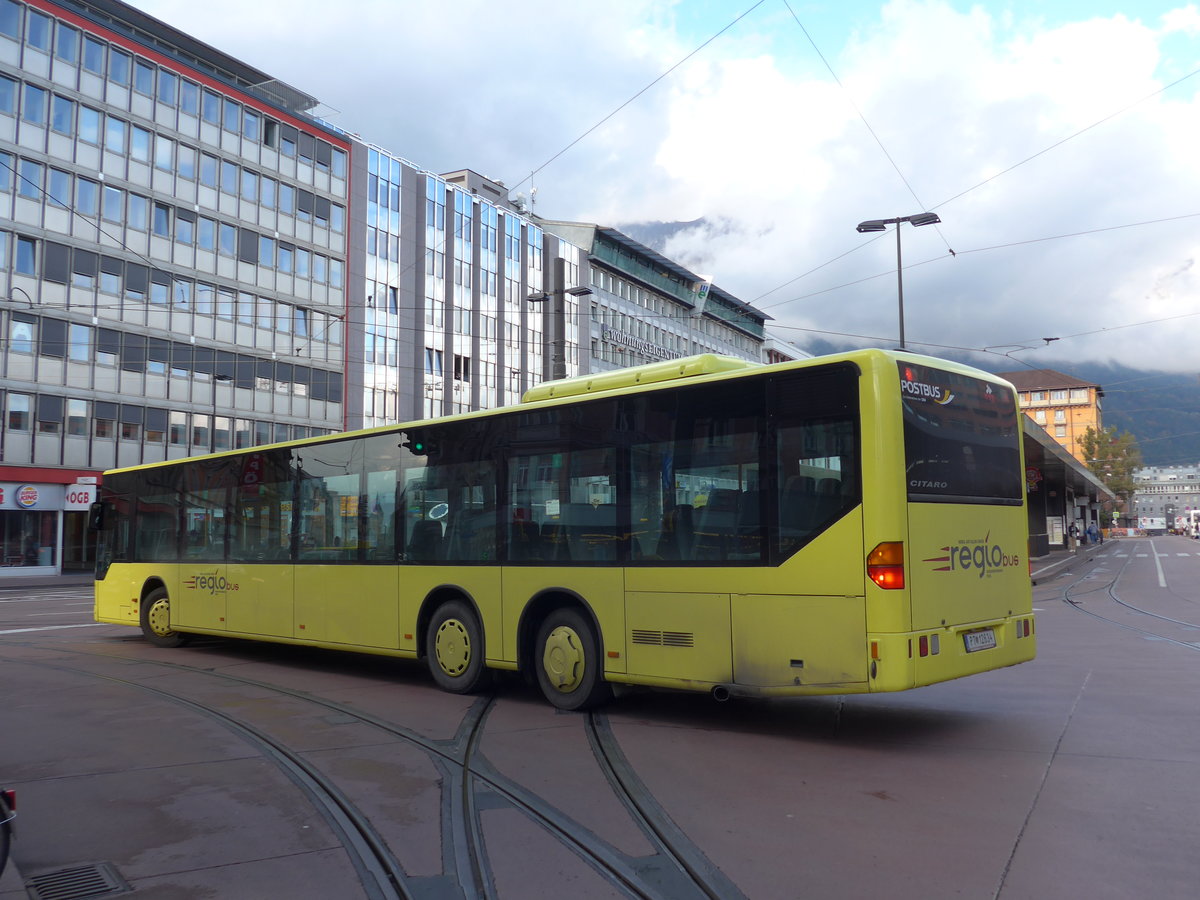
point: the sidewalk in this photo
(71, 579)
(1056, 562)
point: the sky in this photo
(1058, 142)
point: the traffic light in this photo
(419, 446)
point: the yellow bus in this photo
(843, 524)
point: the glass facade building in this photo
(173, 248)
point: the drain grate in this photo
(77, 883)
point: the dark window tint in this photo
(962, 438)
(263, 507)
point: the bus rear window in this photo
(961, 438)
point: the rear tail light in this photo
(885, 565)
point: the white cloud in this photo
(753, 134)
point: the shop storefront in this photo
(43, 527)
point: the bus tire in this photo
(156, 620)
(454, 649)
(569, 665)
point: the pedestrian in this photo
(1093, 533)
(1073, 534)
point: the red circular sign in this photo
(27, 496)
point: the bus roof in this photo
(582, 386)
(651, 373)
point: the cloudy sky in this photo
(1058, 141)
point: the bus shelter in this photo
(1061, 490)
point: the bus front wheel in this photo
(156, 620)
(454, 648)
(570, 670)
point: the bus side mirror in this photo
(96, 516)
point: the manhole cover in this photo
(77, 883)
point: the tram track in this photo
(380, 875)
(676, 868)
(1110, 589)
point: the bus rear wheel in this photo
(569, 668)
(454, 648)
(156, 620)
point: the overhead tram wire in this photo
(936, 259)
(862, 116)
(529, 177)
(1006, 171)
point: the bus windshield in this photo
(962, 438)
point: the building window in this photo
(119, 64)
(62, 115)
(66, 44)
(93, 54)
(30, 180)
(26, 261)
(20, 407)
(89, 125)
(79, 343)
(210, 109)
(162, 219)
(37, 30)
(143, 78)
(77, 417)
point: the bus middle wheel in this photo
(454, 649)
(569, 667)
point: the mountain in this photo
(1160, 409)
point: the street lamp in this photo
(558, 316)
(917, 220)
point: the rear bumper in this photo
(917, 658)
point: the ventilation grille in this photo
(77, 883)
(663, 638)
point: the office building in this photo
(173, 235)
(645, 307)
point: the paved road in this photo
(208, 771)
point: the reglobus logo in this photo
(211, 583)
(976, 556)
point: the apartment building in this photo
(1063, 405)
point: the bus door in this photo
(259, 572)
(200, 502)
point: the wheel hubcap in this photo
(452, 646)
(159, 618)
(563, 659)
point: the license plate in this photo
(979, 640)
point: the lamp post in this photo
(916, 220)
(558, 316)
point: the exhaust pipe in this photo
(720, 693)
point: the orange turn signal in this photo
(885, 565)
